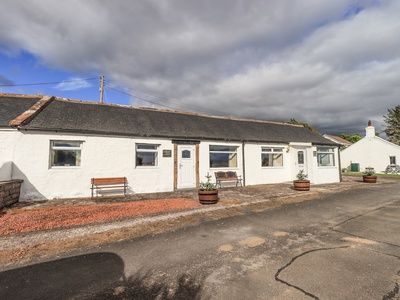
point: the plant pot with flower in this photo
(302, 183)
(208, 193)
(368, 175)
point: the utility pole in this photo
(101, 88)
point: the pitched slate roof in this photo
(64, 115)
(11, 107)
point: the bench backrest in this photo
(231, 174)
(225, 175)
(220, 174)
(111, 180)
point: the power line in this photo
(45, 83)
(164, 98)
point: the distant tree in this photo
(352, 138)
(305, 125)
(392, 120)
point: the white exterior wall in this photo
(100, 157)
(7, 144)
(256, 174)
(325, 174)
(370, 152)
(204, 160)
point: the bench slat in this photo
(108, 183)
(111, 180)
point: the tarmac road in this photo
(345, 245)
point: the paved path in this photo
(343, 245)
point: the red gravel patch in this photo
(25, 220)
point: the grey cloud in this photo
(5, 81)
(332, 64)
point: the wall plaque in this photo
(167, 153)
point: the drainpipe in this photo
(243, 166)
(340, 166)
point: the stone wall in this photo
(9, 192)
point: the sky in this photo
(331, 64)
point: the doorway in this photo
(186, 166)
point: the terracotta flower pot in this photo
(369, 179)
(301, 185)
(208, 197)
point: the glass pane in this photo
(266, 160)
(278, 150)
(300, 157)
(392, 160)
(233, 160)
(266, 149)
(325, 159)
(185, 154)
(65, 157)
(146, 159)
(66, 144)
(324, 149)
(147, 147)
(278, 160)
(219, 160)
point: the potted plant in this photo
(369, 176)
(208, 194)
(302, 183)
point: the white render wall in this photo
(100, 157)
(104, 156)
(204, 160)
(370, 152)
(7, 137)
(256, 174)
(325, 174)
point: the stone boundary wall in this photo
(9, 192)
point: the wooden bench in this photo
(109, 183)
(227, 176)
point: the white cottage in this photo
(57, 145)
(370, 151)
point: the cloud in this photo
(333, 64)
(72, 85)
(5, 81)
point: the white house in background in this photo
(370, 151)
(57, 145)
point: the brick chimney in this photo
(370, 130)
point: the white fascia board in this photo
(300, 144)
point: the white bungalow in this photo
(371, 151)
(57, 145)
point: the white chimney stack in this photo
(370, 130)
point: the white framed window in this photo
(223, 156)
(65, 153)
(146, 155)
(325, 156)
(271, 157)
(392, 160)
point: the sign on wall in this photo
(167, 153)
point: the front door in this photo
(300, 161)
(186, 166)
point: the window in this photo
(392, 160)
(223, 156)
(65, 153)
(146, 155)
(271, 157)
(325, 156)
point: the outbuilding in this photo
(371, 151)
(57, 145)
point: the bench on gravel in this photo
(222, 176)
(108, 183)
